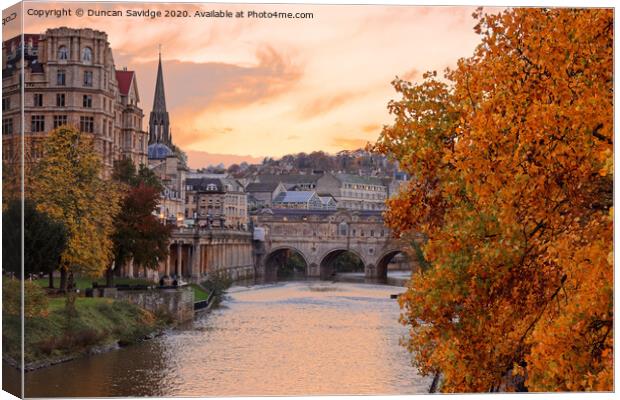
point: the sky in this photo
(240, 89)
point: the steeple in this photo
(159, 122)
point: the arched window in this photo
(87, 55)
(63, 53)
(343, 229)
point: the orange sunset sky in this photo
(243, 89)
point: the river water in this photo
(291, 338)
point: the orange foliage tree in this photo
(512, 187)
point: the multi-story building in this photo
(69, 78)
(298, 182)
(264, 193)
(354, 192)
(219, 202)
(133, 138)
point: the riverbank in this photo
(98, 324)
(256, 344)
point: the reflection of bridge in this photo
(319, 237)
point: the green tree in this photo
(44, 240)
(67, 185)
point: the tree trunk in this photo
(70, 282)
(109, 277)
(63, 279)
(51, 275)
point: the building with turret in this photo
(69, 78)
(163, 161)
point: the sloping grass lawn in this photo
(84, 282)
(98, 321)
(199, 293)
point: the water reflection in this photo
(293, 338)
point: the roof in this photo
(262, 187)
(366, 180)
(201, 184)
(294, 197)
(124, 79)
(158, 151)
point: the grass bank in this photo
(199, 293)
(84, 283)
(97, 323)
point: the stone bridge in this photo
(319, 236)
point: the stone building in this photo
(216, 202)
(354, 192)
(171, 171)
(302, 182)
(69, 79)
(264, 192)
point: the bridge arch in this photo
(271, 261)
(326, 261)
(384, 259)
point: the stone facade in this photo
(320, 236)
(178, 303)
(354, 192)
(171, 171)
(218, 202)
(69, 79)
(195, 253)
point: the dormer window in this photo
(63, 53)
(87, 55)
(211, 186)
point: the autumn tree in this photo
(139, 237)
(67, 185)
(511, 159)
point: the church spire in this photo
(159, 101)
(159, 123)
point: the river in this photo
(289, 338)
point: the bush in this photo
(35, 301)
(217, 283)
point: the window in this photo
(87, 101)
(6, 103)
(37, 123)
(60, 99)
(87, 55)
(7, 126)
(343, 229)
(88, 78)
(63, 53)
(61, 79)
(59, 120)
(38, 99)
(87, 124)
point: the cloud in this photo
(323, 105)
(412, 74)
(200, 159)
(371, 128)
(349, 143)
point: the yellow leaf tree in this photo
(67, 185)
(511, 158)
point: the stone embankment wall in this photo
(178, 303)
